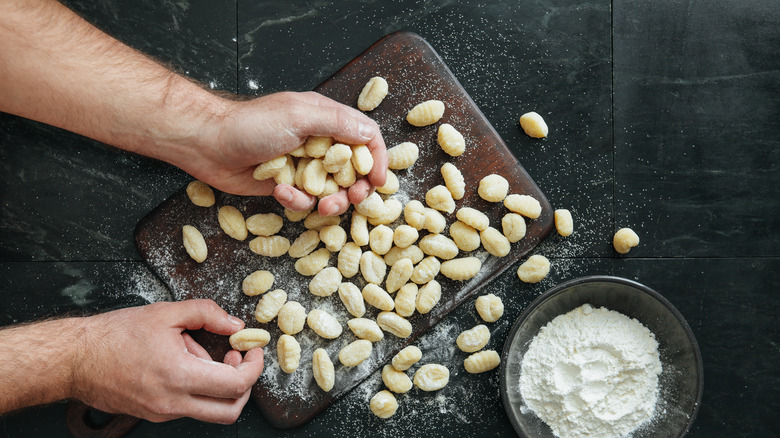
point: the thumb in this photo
(341, 122)
(206, 314)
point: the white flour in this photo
(592, 372)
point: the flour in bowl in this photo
(592, 373)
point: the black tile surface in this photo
(664, 117)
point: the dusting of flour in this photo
(592, 372)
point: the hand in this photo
(255, 131)
(138, 361)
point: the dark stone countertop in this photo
(664, 116)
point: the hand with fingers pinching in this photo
(256, 131)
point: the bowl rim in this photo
(594, 279)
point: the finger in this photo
(194, 348)
(360, 190)
(224, 380)
(204, 314)
(378, 173)
(215, 410)
(233, 358)
(341, 122)
(292, 198)
(244, 184)
(334, 204)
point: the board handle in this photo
(82, 426)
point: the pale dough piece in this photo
(411, 252)
(461, 269)
(257, 283)
(425, 271)
(372, 206)
(346, 176)
(291, 318)
(383, 404)
(450, 140)
(352, 298)
(406, 300)
(380, 239)
(200, 194)
(333, 237)
(426, 113)
(513, 227)
(428, 296)
(325, 282)
(336, 157)
(490, 307)
(402, 156)
(378, 297)
(296, 216)
(399, 275)
(373, 94)
(483, 361)
(454, 181)
(494, 242)
(440, 198)
(434, 221)
(396, 381)
(439, 245)
(266, 224)
(315, 221)
(473, 339)
(269, 305)
(358, 229)
(288, 352)
(362, 160)
(372, 267)
(313, 263)
(271, 246)
(533, 124)
(465, 236)
(534, 269)
(355, 353)
(391, 184)
(392, 211)
(316, 147)
(314, 177)
(414, 214)
(286, 174)
(404, 236)
(304, 244)
(365, 328)
(563, 222)
(431, 377)
(406, 358)
(324, 324)
(194, 243)
(269, 169)
(493, 188)
(249, 338)
(322, 368)
(525, 205)
(232, 222)
(473, 218)
(624, 240)
(348, 260)
(394, 323)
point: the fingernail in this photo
(285, 195)
(235, 321)
(366, 131)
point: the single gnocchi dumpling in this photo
(406, 358)
(269, 169)
(271, 246)
(473, 218)
(453, 180)
(440, 198)
(324, 324)
(378, 297)
(380, 239)
(347, 175)
(534, 269)
(323, 370)
(402, 156)
(431, 377)
(372, 267)
(494, 242)
(269, 305)
(428, 296)
(624, 240)
(291, 318)
(461, 269)
(425, 271)
(414, 214)
(465, 236)
(334, 237)
(513, 227)
(314, 177)
(563, 222)
(232, 222)
(325, 282)
(394, 323)
(533, 125)
(392, 211)
(313, 263)
(266, 224)
(358, 229)
(434, 221)
(406, 300)
(355, 353)
(288, 352)
(426, 113)
(391, 184)
(316, 221)
(372, 206)
(411, 252)
(352, 298)
(383, 404)
(362, 160)
(286, 174)
(396, 381)
(257, 283)
(348, 261)
(473, 339)
(481, 362)
(296, 216)
(439, 245)
(336, 157)
(200, 194)
(493, 188)
(304, 244)
(365, 328)
(489, 307)
(249, 338)
(373, 94)
(194, 243)
(399, 275)
(404, 236)
(525, 205)
(450, 140)
(316, 147)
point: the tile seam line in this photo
(612, 105)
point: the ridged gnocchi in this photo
(407, 357)
(249, 338)
(316, 147)
(473, 339)
(425, 113)
(288, 352)
(372, 267)
(313, 263)
(333, 237)
(473, 217)
(348, 260)
(336, 157)
(440, 198)
(257, 283)
(200, 194)
(461, 269)
(525, 205)
(402, 156)
(324, 324)
(405, 235)
(395, 324)
(323, 370)
(494, 242)
(426, 270)
(439, 245)
(431, 377)
(465, 236)
(355, 353)
(372, 94)
(365, 328)
(362, 160)
(358, 229)
(266, 224)
(380, 239)
(483, 361)
(411, 252)
(271, 246)
(396, 381)
(325, 282)
(352, 298)
(534, 269)
(450, 140)
(453, 180)
(406, 300)
(232, 222)
(269, 169)
(304, 244)
(513, 226)
(493, 188)
(378, 297)
(489, 307)
(194, 243)
(428, 297)
(399, 275)
(291, 318)
(269, 305)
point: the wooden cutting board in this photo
(415, 73)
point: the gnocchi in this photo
(323, 370)
(269, 169)
(373, 94)
(372, 267)
(316, 221)
(378, 297)
(406, 300)
(414, 214)
(314, 177)
(365, 328)
(355, 353)
(324, 324)
(399, 275)
(489, 307)
(428, 297)
(383, 404)
(426, 270)
(264, 224)
(325, 282)
(525, 205)
(440, 198)
(465, 236)
(352, 299)
(426, 113)
(513, 226)
(624, 240)
(232, 222)
(336, 157)
(402, 156)
(396, 381)
(473, 218)
(200, 194)
(453, 180)
(348, 260)
(391, 184)
(249, 338)
(333, 237)
(313, 263)
(304, 244)
(411, 252)
(431, 377)
(346, 176)
(439, 245)
(434, 221)
(493, 188)
(404, 236)
(291, 318)
(392, 210)
(533, 125)
(372, 206)
(474, 339)
(288, 352)
(406, 358)
(194, 243)
(362, 160)
(269, 305)
(534, 269)
(358, 229)
(563, 222)
(380, 239)
(296, 216)
(494, 242)
(481, 362)
(461, 269)
(316, 147)
(271, 246)
(257, 283)
(450, 140)
(286, 174)
(394, 323)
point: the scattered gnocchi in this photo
(624, 240)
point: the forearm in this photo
(37, 362)
(58, 69)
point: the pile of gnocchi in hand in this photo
(370, 247)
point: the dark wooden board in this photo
(415, 73)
